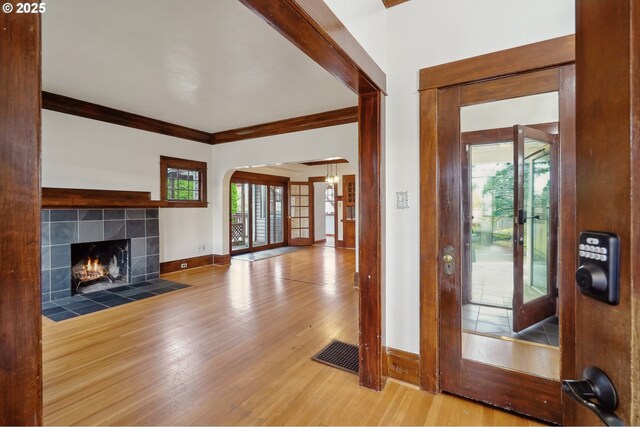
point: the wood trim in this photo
(326, 162)
(173, 162)
(296, 124)
(316, 179)
(258, 178)
(429, 295)
(545, 54)
(391, 3)
(488, 136)
(20, 305)
(316, 31)
(371, 125)
(221, 260)
(315, 242)
(402, 365)
(356, 280)
(519, 85)
(74, 198)
(88, 110)
(199, 261)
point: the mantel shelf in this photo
(73, 198)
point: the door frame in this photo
(517, 61)
(242, 177)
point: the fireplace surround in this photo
(63, 227)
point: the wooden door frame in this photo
(537, 56)
(242, 177)
(316, 31)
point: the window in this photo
(329, 201)
(183, 183)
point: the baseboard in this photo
(401, 365)
(315, 242)
(177, 265)
(339, 243)
(222, 260)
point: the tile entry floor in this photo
(77, 305)
(499, 322)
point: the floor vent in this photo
(339, 355)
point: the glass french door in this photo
(300, 209)
(535, 292)
(257, 217)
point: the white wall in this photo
(422, 33)
(297, 147)
(88, 154)
(367, 21)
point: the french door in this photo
(300, 213)
(257, 216)
(536, 225)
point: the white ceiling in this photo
(208, 64)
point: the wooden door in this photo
(535, 211)
(300, 213)
(349, 211)
(608, 189)
(514, 386)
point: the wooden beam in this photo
(326, 162)
(76, 107)
(296, 124)
(315, 30)
(370, 242)
(74, 198)
(20, 304)
(543, 54)
(391, 3)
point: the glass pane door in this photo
(276, 214)
(491, 225)
(300, 213)
(239, 216)
(259, 215)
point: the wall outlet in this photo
(183, 265)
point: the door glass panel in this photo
(495, 261)
(239, 216)
(259, 214)
(491, 208)
(276, 214)
(537, 188)
(300, 212)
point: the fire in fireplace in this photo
(99, 265)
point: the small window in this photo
(183, 183)
(329, 201)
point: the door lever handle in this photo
(596, 392)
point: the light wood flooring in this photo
(234, 348)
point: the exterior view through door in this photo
(257, 213)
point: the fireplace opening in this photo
(99, 265)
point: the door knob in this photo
(447, 260)
(596, 392)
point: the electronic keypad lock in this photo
(598, 257)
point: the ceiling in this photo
(212, 66)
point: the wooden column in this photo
(608, 169)
(20, 321)
(370, 238)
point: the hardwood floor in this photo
(234, 348)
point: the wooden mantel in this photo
(73, 198)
